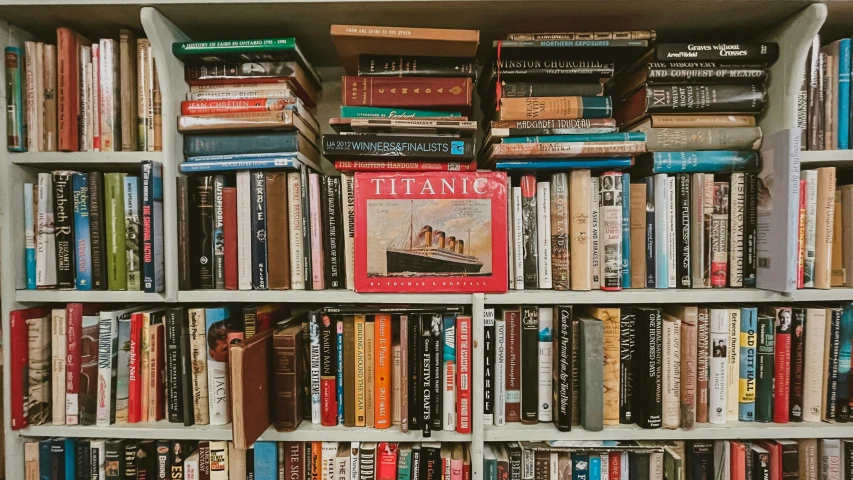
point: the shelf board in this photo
(826, 158)
(125, 161)
(308, 432)
(63, 296)
(705, 431)
(319, 296)
(663, 296)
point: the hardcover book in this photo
(450, 233)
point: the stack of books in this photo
(544, 93)
(824, 102)
(247, 105)
(108, 100)
(95, 231)
(405, 100)
(671, 367)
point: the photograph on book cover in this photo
(430, 233)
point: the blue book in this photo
(697, 162)
(448, 357)
(217, 322)
(649, 246)
(490, 464)
(661, 194)
(44, 459)
(580, 466)
(153, 279)
(748, 361)
(594, 466)
(626, 230)
(80, 189)
(16, 128)
(564, 164)
(266, 460)
(844, 94)
(844, 359)
(340, 373)
(70, 454)
(596, 137)
(218, 233)
(247, 142)
(259, 229)
(269, 163)
(29, 236)
(398, 113)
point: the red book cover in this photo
(68, 44)
(782, 382)
(737, 463)
(430, 232)
(328, 372)
(157, 364)
(73, 341)
(294, 460)
(229, 227)
(19, 362)
(386, 166)
(513, 365)
(775, 451)
(386, 461)
(615, 465)
(463, 380)
(801, 236)
(235, 105)
(400, 92)
(134, 384)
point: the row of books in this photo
(70, 458)
(95, 231)
(824, 100)
(582, 232)
(693, 460)
(669, 367)
(84, 96)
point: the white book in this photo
(59, 330)
(348, 201)
(342, 464)
(605, 466)
(722, 455)
(500, 373)
(353, 461)
(328, 452)
(813, 373)
(656, 465)
(554, 466)
(733, 364)
(518, 238)
(510, 250)
(29, 95)
(448, 378)
(671, 372)
(108, 363)
(624, 474)
(86, 101)
(595, 238)
(610, 230)
(46, 241)
(810, 176)
(830, 459)
(717, 384)
(546, 397)
(244, 229)
(39, 127)
(191, 471)
(489, 321)
(98, 449)
(543, 227)
(737, 201)
(314, 363)
(297, 247)
(672, 250)
(198, 361)
(661, 184)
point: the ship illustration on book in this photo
(429, 252)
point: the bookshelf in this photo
(790, 23)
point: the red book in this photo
(19, 358)
(134, 385)
(400, 92)
(229, 227)
(328, 372)
(801, 235)
(615, 465)
(775, 451)
(386, 461)
(513, 365)
(74, 335)
(463, 379)
(782, 382)
(463, 248)
(68, 43)
(235, 105)
(157, 364)
(383, 166)
(294, 460)
(737, 463)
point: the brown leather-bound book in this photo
(289, 368)
(251, 388)
(128, 79)
(68, 43)
(278, 239)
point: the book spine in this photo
(82, 232)
(230, 227)
(198, 362)
(67, 89)
(174, 392)
(425, 351)
(30, 235)
(437, 407)
(764, 375)
(339, 372)
(236, 105)
(543, 227)
(627, 332)
(591, 364)
(682, 236)
(107, 343)
(360, 406)
(185, 257)
(63, 206)
(540, 89)
(733, 363)
(499, 377)
(688, 377)
(626, 230)
(218, 233)
(704, 98)
(832, 343)
(595, 235)
(649, 245)
(529, 231)
(661, 226)
(576, 372)
(782, 365)
(720, 236)
(45, 237)
(697, 230)
(751, 52)
(414, 66)
(545, 344)
(672, 251)
(202, 228)
(315, 352)
(348, 212)
(844, 365)
(463, 399)
(386, 92)
(278, 276)
(245, 207)
(737, 190)
(577, 69)
(17, 112)
(843, 95)
(114, 200)
(671, 372)
(802, 235)
(518, 237)
(554, 108)
(750, 234)
(559, 210)
(747, 369)
(837, 267)
(316, 234)
(798, 349)
(664, 73)
(579, 228)
(29, 93)
(110, 101)
(260, 273)
(513, 366)
(134, 397)
(611, 227)
(703, 353)
(132, 230)
(638, 235)
(529, 366)
(333, 231)
(561, 369)
(328, 371)
(823, 226)
(718, 328)
(661, 139)
(218, 382)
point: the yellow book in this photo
(359, 371)
(579, 211)
(610, 320)
(824, 218)
(369, 369)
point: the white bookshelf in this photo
(826, 158)
(792, 24)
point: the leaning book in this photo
(430, 232)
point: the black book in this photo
(162, 467)
(250, 464)
(646, 381)
(114, 458)
(760, 463)
(96, 231)
(426, 374)
(152, 226)
(638, 465)
(562, 368)
(83, 460)
(131, 471)
(529, 364)
(682, 230)
(686, 98)
(437, 396)
(146, 458)
(366, 461)
(489, 351)
(178, 452)
(95, 459)
(57, 459)
(791, 460)
(651, 279)
(328, 348)
(218, 233)
(749, 460)
(415, 370)
(520, 88)
(259, 231)
(576, 372)
(431, 468)
(513, 450)
(281, 461)
(334, 233)
(627, 325)
(750, 230)
(63, 222)
(174, 392)
(798, 358)
(186, 382)
(416, 462)
(739, 53)
(700, 459)
(415, 66)
(201, 229)
(184, 256)
(846, 452)
(306, 228)
(832, 396)
(529, 231)
(542, 464)
(398, 147)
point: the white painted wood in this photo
(477, 398)
(662, 296)
(826, 158)
(319, 296)
(65, 296)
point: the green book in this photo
(404, 462)
(115, 231)
(399, 113)
(764, 376)
(241, 51)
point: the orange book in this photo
(382, 371)
(316, 460)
